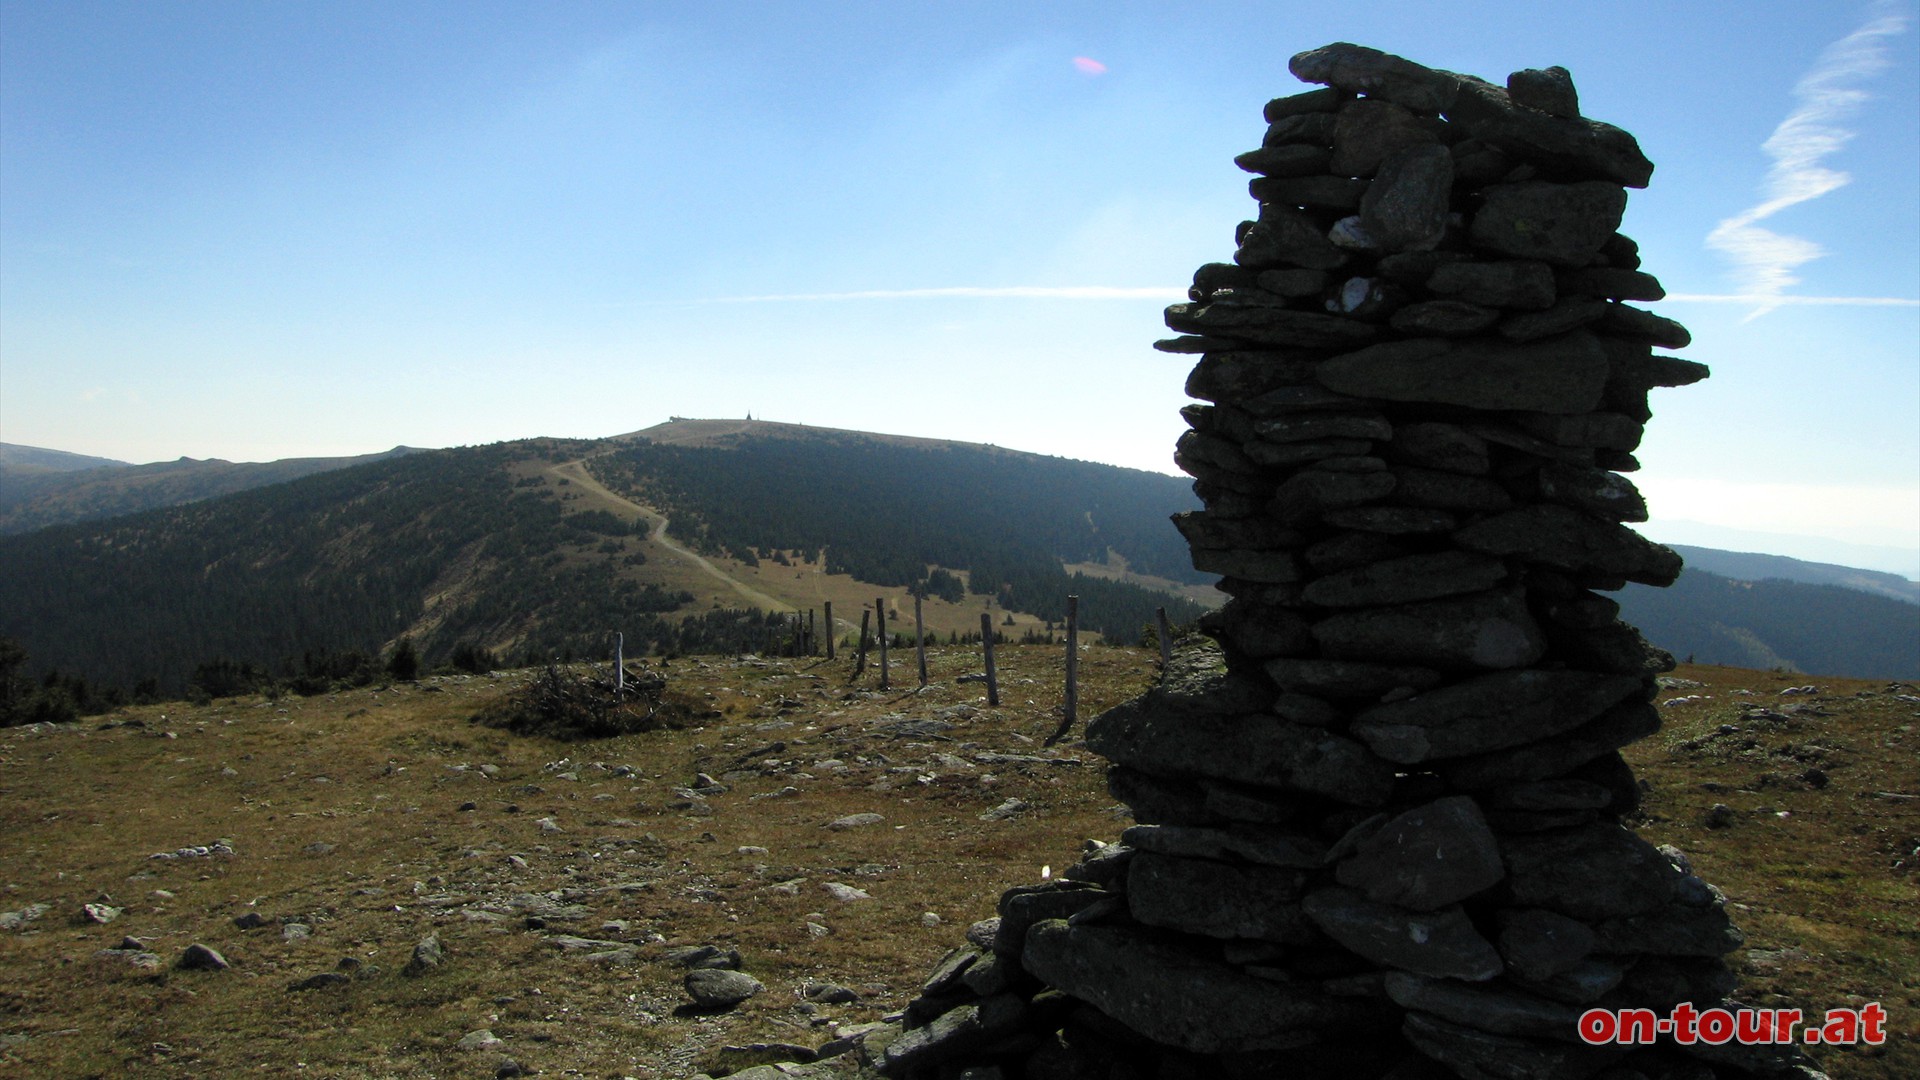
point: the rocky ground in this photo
(368, 885)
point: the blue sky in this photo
(255, 230)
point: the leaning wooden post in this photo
(1070, 706)
(860, 664)
(920, 639)
(986, 642)
(619, 666)
(880, 627)
(812, 636)
(1166, 638)
(831, 632)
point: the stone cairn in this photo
(1383, 838)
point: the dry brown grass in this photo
(381, 777)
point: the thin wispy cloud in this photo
(1028, 292)
(1828, 96)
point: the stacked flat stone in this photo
(1379, 825)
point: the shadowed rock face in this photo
(1379, 816)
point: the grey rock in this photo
(1440, 490)
(1444, 318)
(14, 920)
(1024, 905)
(1179, 997)
(1334, 193)
(1672, 931)
(1549, 90)
(1208, 530)
(1565, 374)
(1254, 749)
(1539, 944)
(1611, 283)
(1311, 101)
(1370, 131)
(1436, 445)
(1582, 984)
(427, 957)
(694, 956)
(1268, 847)
(323, 981)
(1263, 631)
(1297, 399)
(1562, 794)
(1284, 237)
(1276, 567)
(946, 975)
(1217, 899)
(1301, 497)
(1358, 69)
(1286, 159)
(479, 1040)
(854, 821)
(1350, 550)
(954, 1034)
(251, 920)
(1408, 579)
(1558, 755)
(1635, 365)
(1241, 802)
(1566, 539)
(1607, 430)
(717, 988)
(1489, 712)
(1574, 146)
(1406, 206)
(1268, 324)
(1487, 1008)
(1485, 630)
(1427, 857)
(99, 914)
(1158, 800)
(1626, 321)
(1469, 1051)
(1596, 491)
(1567, 313)
(1523, 284)
(1314, 129)
(1104, 866)
(1440, 943)
(1346, 679)
(1599, 871)
(1319, 426)
(826, 993)
(1293, 283)
(198, 957)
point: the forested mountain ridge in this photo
(50, 487)
(497, 550)
(1777, 624)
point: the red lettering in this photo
(1716, 1026)
(1638, 1026)
(1684, 1017)
(1842, 1026)
(1873, 1020)
(1598, 1026)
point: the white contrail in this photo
(1765, 260)
(1772, 300)
(1036, 292)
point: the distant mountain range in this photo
(543, 547)
(41, 487)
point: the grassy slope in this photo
(1830, 917)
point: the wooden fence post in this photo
(1166, 638)
(619, 666)
(860, 664)
(831, 632)
(1070, 705)
(880, 624)
(920, 639)
(813, 636)
(986, 642)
